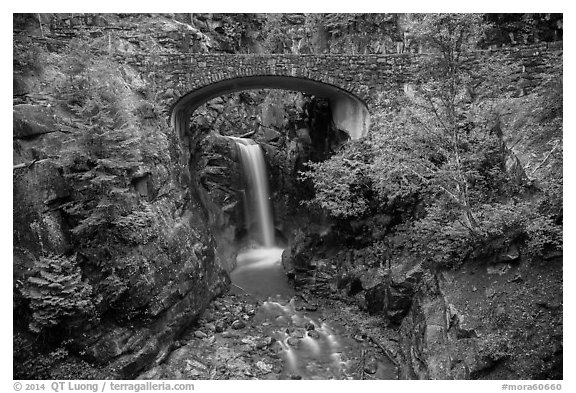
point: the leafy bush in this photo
(544, 235)
(37, 366)
(57, 292)
(342, 182)
(446, 242)
(439, 146)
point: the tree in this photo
(438, 99)
(439, 146)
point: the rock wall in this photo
(166, 279)
(290, 128)
(486, 321)
(178, 56)
(105, 207)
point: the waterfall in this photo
(257, 193)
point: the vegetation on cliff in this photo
(114, 243)
(441, 147)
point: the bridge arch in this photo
(349, 113)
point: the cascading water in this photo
(258, 193)
(258, 270)
(312, 348)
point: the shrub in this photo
(445, 242)
(543, 235)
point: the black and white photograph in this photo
(286, 196)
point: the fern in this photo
(56, 292)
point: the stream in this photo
(311, 345)
(265, 329)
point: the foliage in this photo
(393, 32)
(106, 151)
(331, 33)
(37, 366)
(109, 148)
(358, 33)
(238, 31)
(544, 235)
(56, 292)
(342, 183)
(439, 145)
(450, 34)
(512, 28)
(28, 58)
(30, 362)
(445, 242)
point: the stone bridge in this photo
(349, 82)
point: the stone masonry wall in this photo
(181, 64)
(362, 75)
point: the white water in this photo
(259, 271)
(259, 196)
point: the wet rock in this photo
(228, 334)
(310, 307)
(299, 333)
(490, 292)
(360, 300)
(282, 319)
(293, 341)
(498, 268)
(32, 120)
(371, 365)
(200, 334)
(295, 376)
(208, 316)
(517, 279)
(309, 326)
(264, 367)
(511, 254)
(153, 373)
(37, 229)
(270, 135)
(314, 334)
(250, 343)
(238, 324)
(376, 298)
(219, 326)
(263, 343)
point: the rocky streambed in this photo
(241, 336)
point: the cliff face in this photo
(104, 209)
(137, 229)
(111, 205)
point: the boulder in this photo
(36, 228)
(376, 298)
(270, 135)
(30, 121)
(510, 254)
